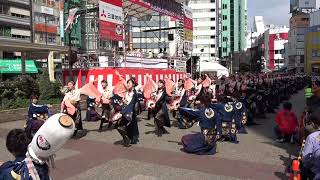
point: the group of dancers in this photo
(219, 106)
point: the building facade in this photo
(15, 24)
(46, 22)
(298, 24)
(275, 39)
(153, 41)
(312, 44)
(205, 28)
(232, 26)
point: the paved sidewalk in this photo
(100, 155)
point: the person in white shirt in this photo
(106, 104)
(73, 96)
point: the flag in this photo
(206, 82)
(120, 88)
(148, 88)
(169, 86)
(72, 13)
(188, 84)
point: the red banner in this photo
(111, 20)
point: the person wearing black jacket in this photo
(160, 110)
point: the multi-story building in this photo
(205, 28)
(298, 24)
(312, 44)
(15, 24)
(46, 22)
(153, 41)
(232, 26)
(274, 42)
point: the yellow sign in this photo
(188, 35)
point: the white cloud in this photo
(273, 11)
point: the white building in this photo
(275, 39)
(205, 28)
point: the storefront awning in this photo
(8, 66)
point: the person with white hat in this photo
(33, 160)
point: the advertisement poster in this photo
(188, 29)
(111, 20)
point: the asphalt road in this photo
(99, 155)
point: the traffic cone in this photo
(295, 173)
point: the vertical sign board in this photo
(111, 20)
(188, 29)
(61, 18)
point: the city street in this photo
(101, 155)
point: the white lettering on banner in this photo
(110, 13)
(161, 76)
(174, 77)
(109, 79)
(144, 79)
(157, 78)
(91, 78)
(139, 79)
(47, 10)
(100, 78)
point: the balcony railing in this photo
(22, 2)
(14, 20)
(14, 39)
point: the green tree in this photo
(48, 90)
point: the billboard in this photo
(165, 7)
(111, 20)
(188, 29)
(307, 4)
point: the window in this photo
(224, 28)
(313, 53)
(212, 10)
(224, 39)
(213, 46)
(212, 37)
(224, 6)
(224, 49)
(41, 37)
(224, 17)
(212, 55)
(212, 28)
(51, 38)
(212, 19)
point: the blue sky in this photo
(273, 11)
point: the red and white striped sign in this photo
(81, 77)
